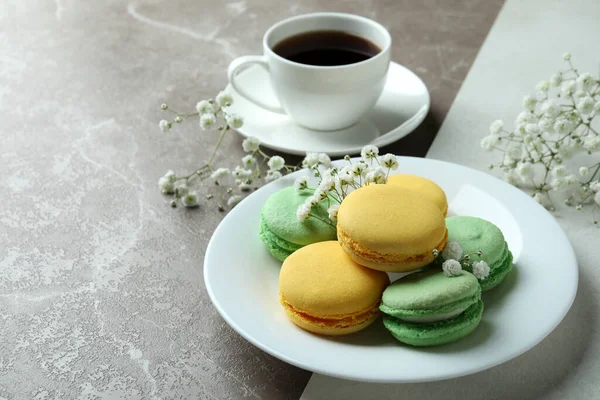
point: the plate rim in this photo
(444, 376)
(399, 132)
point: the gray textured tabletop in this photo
(101, 288)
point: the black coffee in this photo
(326, 48)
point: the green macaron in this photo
(429, 308)
(283, 232)
(476, 234)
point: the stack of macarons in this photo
(337, 287)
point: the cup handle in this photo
(231, 74)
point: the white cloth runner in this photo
(524, 46)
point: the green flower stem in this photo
(328, 222)
(595, 172)
(197, 172)
(221, 136)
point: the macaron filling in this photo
(434, 318)
(333, 321)
(370, 257)
(435, 333)
(415, 314)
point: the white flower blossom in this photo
(190, 199)
(234, 121)
(166, 185)
(375, 176)
(224, 99)
(515, 151)
(559, 184)
(525, 171)
(586, 81)
(324, 160)
(595, 186)
(597, 198)
(559, 171)
(539, 198)
(344, 178)
(583, 171)
(301, 183)
(207, 121)
(244, 186)
(580, 93)
(597, 108)
(319, 195)
(219, 173)
(452, 251)
(520, 130)
(333, 211)
(527, 139)
(204, 107)
(182, 188)
(532, 128)
(556, 80)
(250, 144)
(359, 169)
(314, 199)
(241, 173)
(571, 180)
(567, 56)
(563, 126)
(545, 126)
(511, 177)
(272, 176)
(452, 268)
(567, 88)
(234, 200)
(550, 109)
(526, 117)
(390, 161)
(591, 142)
(248, 161)
(327, 184)
(276, 163)
(303, 211)
(568, 149)
(489, 142)
(496, 127)
(170, 175)
(369, 152)
(543, 86)
(481, 270)
(310, 160)
(164, 125)
(586, 105)
(529, 103)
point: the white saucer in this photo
(402, 106)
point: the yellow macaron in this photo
(390, 228)
(323, 291)
(424, 186)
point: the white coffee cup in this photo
(321, 97)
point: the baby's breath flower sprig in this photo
(334, 184)
(232, 184)
(561, 120)
(455, 261)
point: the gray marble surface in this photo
(101, 290)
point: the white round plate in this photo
(402, 106)
(242, 282)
